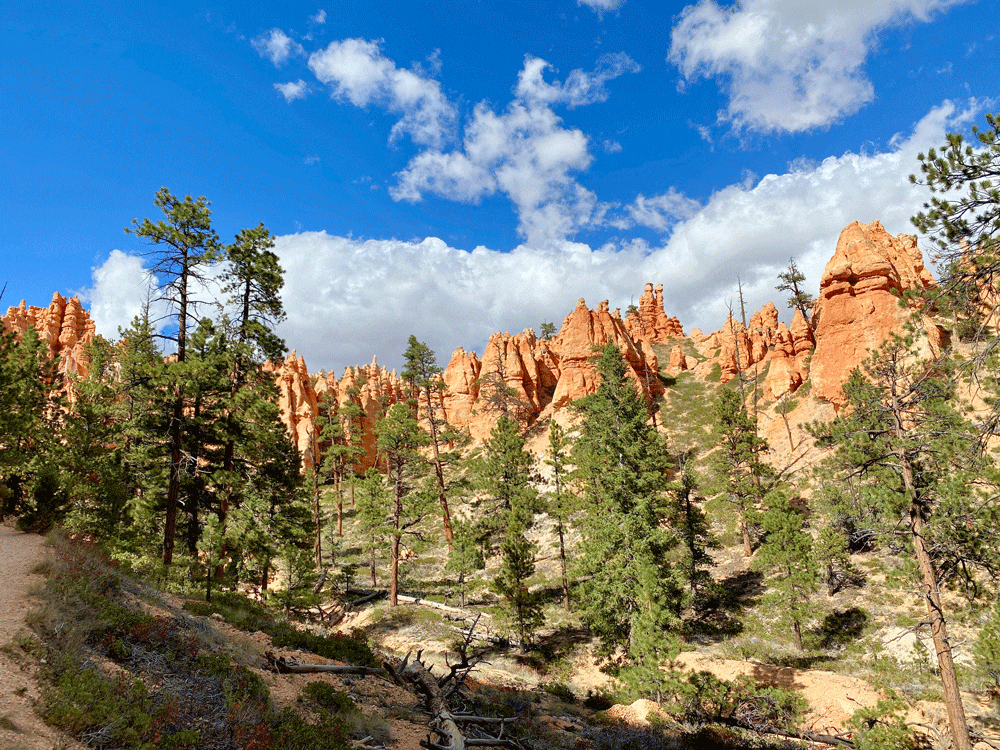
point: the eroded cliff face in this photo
(651, 322)
(857, 309)
(64, 326)
(859, 302)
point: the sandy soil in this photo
(20, 727)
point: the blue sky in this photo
(453, 168)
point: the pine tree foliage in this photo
(962, 217)
(744, 475)
(561, 502)
(918, 481)
(791, 281)
(423, 374)
(509, 502)
(30, 396)
(620, 476)
(787, 555)
(399, 441)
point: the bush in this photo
(340, 647)
(327, 696)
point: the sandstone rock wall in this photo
(859, 302)
(64, 326)
(651, 322)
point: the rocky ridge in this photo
(65, 326)
(859, 306)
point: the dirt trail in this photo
(20, 727)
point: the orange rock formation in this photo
(64, 325)
(859, 301)
(651, 322)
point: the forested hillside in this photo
(611, 493)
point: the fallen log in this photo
(443, 722)
(285, 666)
(435, 605)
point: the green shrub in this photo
(327, 696)
(560, 690)
(338, 646)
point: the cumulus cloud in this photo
(787, 65)
(319, 18)
(121, 288)
(662, 211)
(524, 153)
(348, 299)
(357, 72)
(277, 47)
(293, 90)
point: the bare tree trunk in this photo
(747, 543)
(394, 563)
(439, 471)
(932, 596)
(174, 485)
(939, 632)
(562, 565)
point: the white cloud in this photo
(524, 153)
(601, 6)
(277, 47)
(788, 65)
(348, 299)
(293, 90)
(311, 159)
(358, 72)
(661, 211)
(578, 89)
(612, 147)
(120, 289)
(319, 18)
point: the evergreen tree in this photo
(339, 445)
(30, 414)
(399, 440)
(561, 503)
(743, 474)
(798, 299)
(962, 218)
(916, 469)
(517, 565)
(621, 477)
(184, 245)
(694, 533)
(506, 475)
(253, 279)
(465, 558)
(787, 555)
(374, 507)
(423, 374)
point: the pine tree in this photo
(915, 467)
(506, 476)
(694, 534)
(517, 565)
(399, 440)
(787, 555)
(561, 503)
(374, 508)
(962, 219)
(30, 414)
(465, 557)
(184, 245)
(621, 477)
(798, 299)
(743, 474)
(423, 374)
